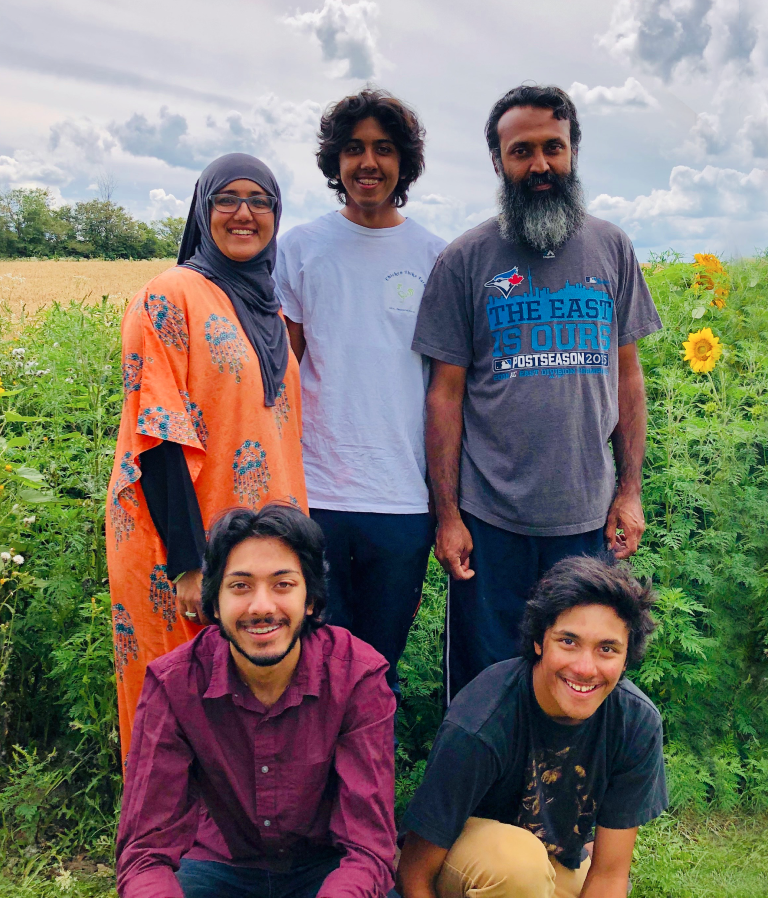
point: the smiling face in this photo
(581, 659)
(262, 604)
(533, 142)
(369, 169)
(241, 235)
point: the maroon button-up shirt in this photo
(214, 775)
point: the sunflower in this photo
(711, 275)
(702, 350)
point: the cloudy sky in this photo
(672, 96)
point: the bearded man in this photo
(531, 322)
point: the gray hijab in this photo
(248, 284)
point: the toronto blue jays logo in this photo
(506, 281)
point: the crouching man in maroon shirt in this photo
(261, 764)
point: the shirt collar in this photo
(306, 678)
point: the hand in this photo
(189, 597)
(625, 513)
(452, 547)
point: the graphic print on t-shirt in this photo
(549, 333)
(557, 805)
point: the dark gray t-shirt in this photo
(498, 755)
(539, 336)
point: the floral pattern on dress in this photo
(162, 594)
(168, 320)
(196, 416)
(227, 348)
(167, 425)
(126, 644)
(281, 409)
(132, 365)
(251, 473)
(124, 501)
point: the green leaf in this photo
(699, 312)
(30, 474)
(42, 497)
(15, 417)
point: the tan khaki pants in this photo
(496, 860)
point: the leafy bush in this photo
(705, 496)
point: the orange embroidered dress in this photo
(189, 376)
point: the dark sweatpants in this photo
(483, 614)
(377, 566)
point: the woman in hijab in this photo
(211, 416)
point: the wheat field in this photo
(33, 283)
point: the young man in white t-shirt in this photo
(350, 284)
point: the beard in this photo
(264, 660)
(544, 220)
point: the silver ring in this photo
(190, 614)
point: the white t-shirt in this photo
(356, 291)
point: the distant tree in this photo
(29, 221)
(99, 228)
(169, 231)
(106, 230)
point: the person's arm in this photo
(419, 867)
(159, 814)
(445, 422)
(611, 859)
(296, 335)
(628, 439)
(175, 512)
(362, 822)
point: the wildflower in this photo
(45, 439)
(702, 350)
(5, 556)
(18, 559)
(18, 352)
(711, 276)
(30, 520)
(8, 468)
(55, 345)
(69, 380)
(3, 580)
(2, 487)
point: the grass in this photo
(34, 283)
(694, 857)
(675, 857)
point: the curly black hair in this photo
(276, 520)
(545, 96)
(399, 121)
(580, 580)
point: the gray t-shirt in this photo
(539, 336)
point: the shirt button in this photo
(267, 823)
(265, 769)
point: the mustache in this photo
(268, 620)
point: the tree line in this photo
(31, 226)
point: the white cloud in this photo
(701, 207)
(602, 100)
(678, 37)
(444, 215)
(346, 34)
(754, 133)
(163, 204)
(27, 169)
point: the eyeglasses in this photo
(259, 204)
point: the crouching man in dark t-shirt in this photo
(537, 751)
(261, 764)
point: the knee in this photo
(504, 860)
